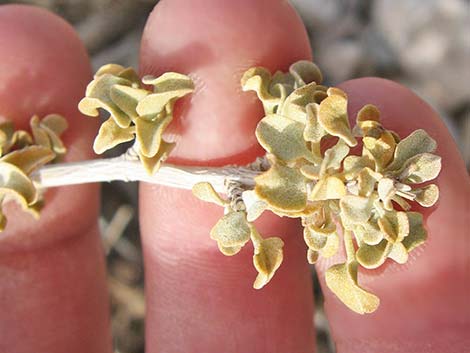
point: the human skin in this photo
(197, 299)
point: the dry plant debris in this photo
(22, 153)
(363, 200)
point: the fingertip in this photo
(45, 68)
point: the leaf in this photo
(366, 180)
(355, 210)
(258, 79)
(416, 143)
(231, 231)
(56, 123)
(206, 192)
(373, 256)
(312, 256)
(381, 149)
(29, 158)
(342, 280)
(127, 98)
(98, 95)
(368, 233)
(333, 157)
(152, 164)
(282, 188)
(420, 168)
(398, 253)
(254, 206)
(283, 137)
(417, 234)
(305, 72)
(394, 225)
(17, 184)
(149, 134)
(333, 116)
(110, 135)
(314, 131)
(368, 112)
(294, 106)
(267, 259)
(167, 88)
(427, 196)
(328, 188)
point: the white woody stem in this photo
(126, 169)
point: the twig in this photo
(124, 168)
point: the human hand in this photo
(53, 290)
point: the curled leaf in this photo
(394, 225)
(342, 280)
(231, 231)
(416, 143)
(417, 234)
(29, 158)
(254, 206)
(333, 116)
(206, 192)
(167, 88)
(328, 188)
(111, 135)
(267, 259)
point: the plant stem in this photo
(124, 169)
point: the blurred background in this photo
(423, 44)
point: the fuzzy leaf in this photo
(267, 259)
(427, 196)
(333, 116)
(394, 225)
(417, 234)
(29, 158)
(328, 188)
(149, 134)
(416, 143)
(342, 280)
(421, 168)
(98, 95)
(305, 72)
(282, 188)
(206, 192)
(373, 256)
(254, 206)
(283, 137)
(167, 88)
(111, 135)
(152, 164)
(258, 79)
(231, 231)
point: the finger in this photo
(53, 295)
(197, 299)
(424, 304)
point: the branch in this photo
(126, 168)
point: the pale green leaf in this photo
(416, 143)
(111, 135)
(267, 259)
(231, 231)
(206, 192)
(282, 188)
(283, 137)
(342, 280)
